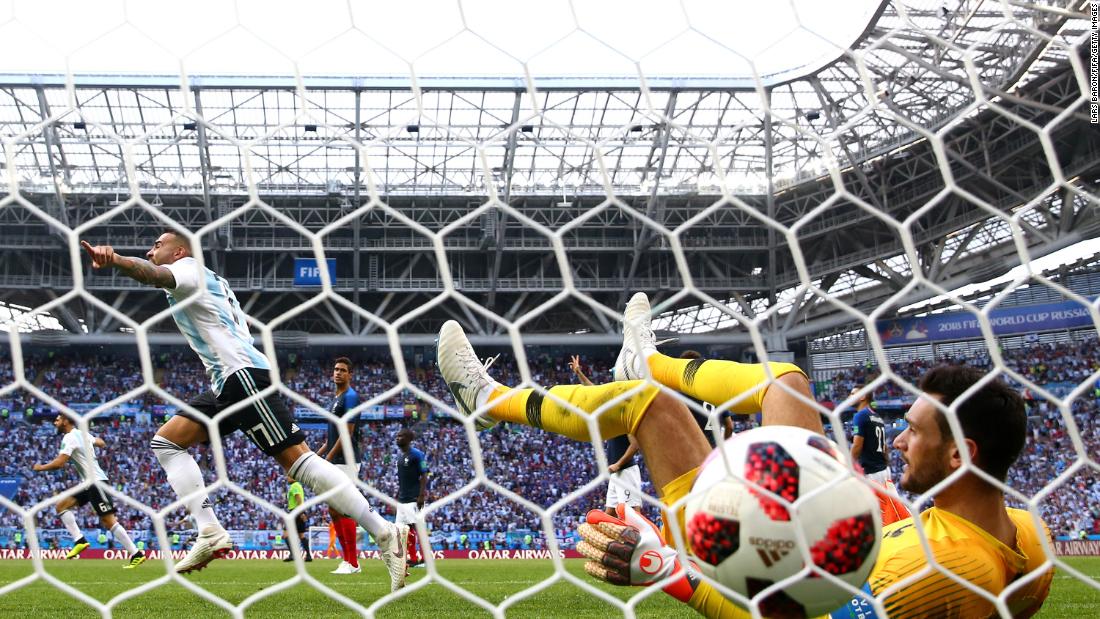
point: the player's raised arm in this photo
(142, 270)
(575, 365)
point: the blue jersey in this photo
(616, 447)
(708, 420)
(410, 466)
(340, 406)
(869, 425)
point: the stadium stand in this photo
(516, 457)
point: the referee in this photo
(295, 495)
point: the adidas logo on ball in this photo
(771, 551)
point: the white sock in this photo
(123, 538)
(320, 475)
(185, 478)
(69, 520)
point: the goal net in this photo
(864, 191)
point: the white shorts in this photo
(351, 470)
(881, 477)
(406, 513)
(625, 487)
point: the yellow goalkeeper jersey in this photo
(968, 551)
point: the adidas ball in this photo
(753, 520)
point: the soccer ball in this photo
(747, 540)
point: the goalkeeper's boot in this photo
(136, 559)
(466, 375)
(80, 546)
(212, 543)
(638, 340)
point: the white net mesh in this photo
(769, 175)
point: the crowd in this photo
(1073, 505)
(538, 467)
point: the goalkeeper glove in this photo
(630, 550)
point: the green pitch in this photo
(495, 581)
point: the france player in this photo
(412, 488)
(345, 399)
(869, 440)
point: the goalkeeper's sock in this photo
(708, 602)
(717, 381)
(621, 406)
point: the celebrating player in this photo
(74, 450)
(345, 399)
(412, 488)
(869, 440)
(211, 319)
(970, 528)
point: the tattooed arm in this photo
(136, 268)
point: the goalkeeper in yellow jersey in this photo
(970, 529)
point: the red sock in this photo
(414, 557)
(341, 536)
(349, 542)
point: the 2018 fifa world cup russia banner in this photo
(965, 325)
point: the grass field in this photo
(494, 581)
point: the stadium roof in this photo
(454, 133)
(677, 113)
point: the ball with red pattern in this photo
(789, 495)
(770, 466)
(777, 604)
(713, 539)
(846, 545)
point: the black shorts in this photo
(100, 501)
(267, 422)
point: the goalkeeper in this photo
(969, 519)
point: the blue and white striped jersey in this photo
(214, 324)
(73, 445)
